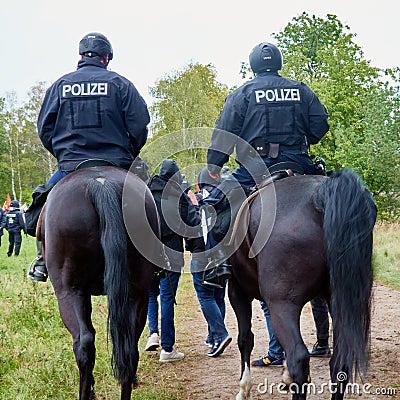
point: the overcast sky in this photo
(39, 38)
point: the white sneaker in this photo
(174, 355)
(153, 342)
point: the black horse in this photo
(88, 251)
(316, 241)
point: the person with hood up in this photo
(177, 215)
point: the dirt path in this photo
(218, 378)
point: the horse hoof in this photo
(286, 378)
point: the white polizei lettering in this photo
(287, 93)
(83, 92)
(259, 95)
(103, 88)
(295, 94)
(270, 95)
(66, 89)
(92, 88)
(76, 89)
(86, 89)
(283, 94)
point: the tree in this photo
(377, 157)
(321, 53)
(25, 163)
(186, 99)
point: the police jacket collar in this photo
(269, 73)
(90, 61)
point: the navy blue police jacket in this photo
(270, 108)
(15, 221)
(93, 113)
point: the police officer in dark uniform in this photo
(269, 118)
(14, 224)
(91, 113)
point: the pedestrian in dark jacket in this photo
(14, 224)
(211, 299)
(177, 215)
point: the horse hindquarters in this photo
(122, 322)
(349, 214)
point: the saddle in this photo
(277, 171)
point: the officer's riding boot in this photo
(217, 270)
(38, 272)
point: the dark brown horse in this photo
(316, 241)
(89, 251)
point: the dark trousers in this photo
(15, 238)
(320, 312)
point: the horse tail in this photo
(105, 196)
(349, 215)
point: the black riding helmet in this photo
(14, 204)
(265, 57)
(95, 44)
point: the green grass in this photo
(36, 358)
(387, 254)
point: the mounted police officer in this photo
(91, 113)
(269, 119)
(14, 224)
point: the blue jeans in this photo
(165, 288)
(212, 303)
(57, 176)
(247, 180)
(274, 348)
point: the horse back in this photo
(73, 250)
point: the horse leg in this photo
(138, 309)
(75, 311)
(285, 318)
(241, 305)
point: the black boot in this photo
(319, 350)
(217, 270)
(38, 272)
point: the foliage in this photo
(24, 161)
(188, 98)
(321, 53)
(375, 154)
